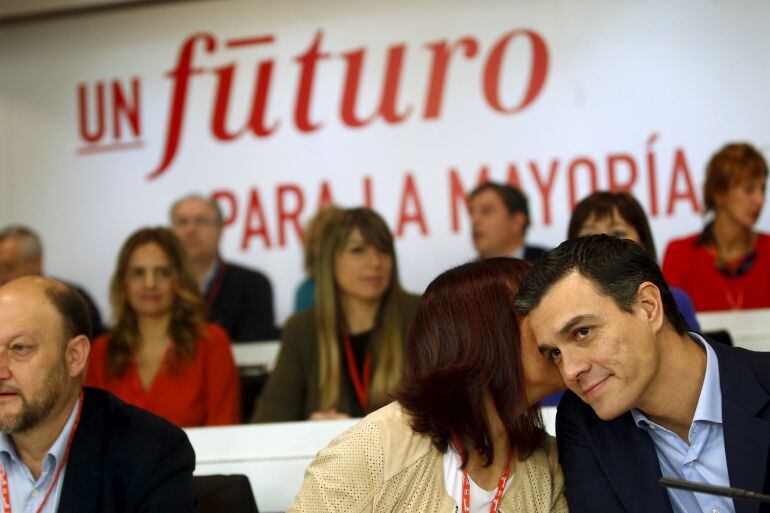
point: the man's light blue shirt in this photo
(703, 460)
(26, 492)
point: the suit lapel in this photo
(747, 434)
(631, 464)
(81, 490)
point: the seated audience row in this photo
(464, 430)
(351, 340)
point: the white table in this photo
(256, 354)
(273, 456)
(748, 328)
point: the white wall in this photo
(5, 170)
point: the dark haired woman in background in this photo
(727, 265)
(620, 215)
(466, 430)
(161, 355)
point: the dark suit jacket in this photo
(242, 304)
(532, 253)
(125, 460)
(224, 494)
(613, 467)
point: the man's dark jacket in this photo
(613, 467)
(241, 301)
(126, 460)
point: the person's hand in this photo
(328, 415)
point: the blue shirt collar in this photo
(709, 408)
(210, 275)
(710, 402)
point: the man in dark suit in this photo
(238, 299)
(500, 218)
(69, 449)
(646, 397)
(21, 254)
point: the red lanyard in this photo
(360, 383)
(467, 484)
(4, 476)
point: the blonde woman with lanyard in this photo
(343, 357)
(465, 433)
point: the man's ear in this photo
(520, 222)
(76, 355)
(651, 304)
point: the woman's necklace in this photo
(746, 261)
(735, 301)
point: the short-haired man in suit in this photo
(647, 397)
(500, 218)
(238, 299)
(64, 448)
(21, 254)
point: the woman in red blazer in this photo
(727, 265)
(161, 355)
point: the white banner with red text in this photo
(275, 108)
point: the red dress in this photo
(204, 391)
(691, 266)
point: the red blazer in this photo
(204, 391)
(690, 266)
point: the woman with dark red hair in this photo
(465, 431)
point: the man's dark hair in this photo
(72, 308)
(615, 266)
(513, 199)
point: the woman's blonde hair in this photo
(187, 317)
(387, 339)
